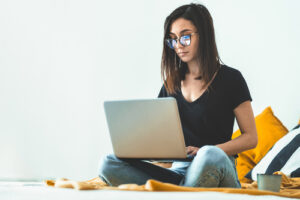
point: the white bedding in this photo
(37, 191)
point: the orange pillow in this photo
(269, 131)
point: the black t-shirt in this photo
(209, 119)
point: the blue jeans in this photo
(211, 167)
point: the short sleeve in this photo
(240, 91)
(163, 92)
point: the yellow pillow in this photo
(269, 131)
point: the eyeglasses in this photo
(184, 40)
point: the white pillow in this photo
(284, 156)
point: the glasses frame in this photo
(168, 40)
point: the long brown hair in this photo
(173, 70)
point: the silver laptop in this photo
(147, 129)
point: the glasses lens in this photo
(185, 40)
(171, 43)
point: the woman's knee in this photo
(211, 155)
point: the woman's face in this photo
(182, 27)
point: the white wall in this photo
(59, 60)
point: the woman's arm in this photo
(248, 138)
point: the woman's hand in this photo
(191, 150)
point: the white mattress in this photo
(37, 191)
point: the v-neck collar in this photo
(204, 93)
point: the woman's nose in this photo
(178, 45)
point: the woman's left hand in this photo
(191, 150)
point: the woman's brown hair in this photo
(173, 70)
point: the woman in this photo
(209, 96)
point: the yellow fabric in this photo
(290, 187)
(269, 131)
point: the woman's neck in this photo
(194, 69)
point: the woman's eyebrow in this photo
(184, 30)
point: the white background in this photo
(59, 60)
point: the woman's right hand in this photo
(191, 150)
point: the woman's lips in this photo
(182, 53)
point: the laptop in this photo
(146, 129)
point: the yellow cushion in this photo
(269, 131)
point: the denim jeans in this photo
(211, 167)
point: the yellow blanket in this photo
(290, 187)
